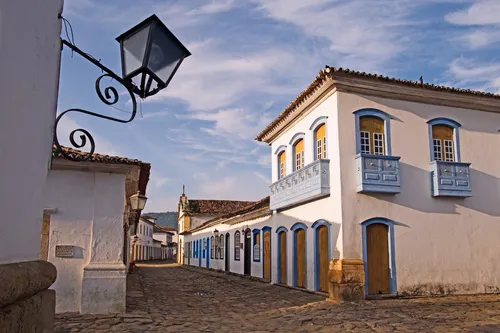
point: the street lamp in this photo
(150, 54)
(138, 201)
(216, 233)
(136, 238)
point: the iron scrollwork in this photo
(108, 96)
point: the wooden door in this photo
(377, 250)
(323, 260)
(248, 252)
(300, 257)
(267, 255)
(282, 239)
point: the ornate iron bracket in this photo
(110, 97)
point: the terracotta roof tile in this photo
(158, 228)
(80, 155)
(216, 207)
(329, 72)
(262, 204)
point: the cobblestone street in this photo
(169, 298)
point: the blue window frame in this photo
(256, 245)
(387, 127)
(434, 145)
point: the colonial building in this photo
(85, 229)
(168, 238)
(142, 248)
(193, 212)
(380, 186)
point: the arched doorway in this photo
(322, 255)
(248, 252)
(282, 255)
(378, 256)
(267, 253)
(228, 252)
(299, 255)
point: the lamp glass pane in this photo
(142, 202)
(134, 202)
(165, 54)
(134, 48)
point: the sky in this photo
(250, 59)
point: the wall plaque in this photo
(64, 251)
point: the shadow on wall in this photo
(489, 123)
(416, 193)
(287, 221)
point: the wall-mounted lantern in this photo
(150, 56)
(136, 238)
(138, 201)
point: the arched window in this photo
(212, 247)
(320, 140)
(281, 161)
(282, 165)
(444, 142)
(221, 247)
(372, 132)
(237, 246)
(298, 154)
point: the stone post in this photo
(346, 280)
(26, 303)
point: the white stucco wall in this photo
(439, 242)
(275, 221)
(30, 52)
(328, 208)
(89, 216)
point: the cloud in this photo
(265, 179)
(480, 38)
(214, 7)
(475, 75)
(214, 78)
(237, 123)
(481, 12)
(213, 188)
(265, 160)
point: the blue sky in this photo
(250, 60)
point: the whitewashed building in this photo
(26, 127)
(86, 228)
(166, 236)
(194, 212)
(142, 246)
(380, 186)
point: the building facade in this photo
(379, 187)
(166, 235)
(84, 222)
(30, 50)
(194, 212)
(142, 248)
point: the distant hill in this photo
(166, 219)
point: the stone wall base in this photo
(32, 314)
(346, 280)
(104, 288)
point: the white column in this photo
(104, 278)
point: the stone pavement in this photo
(170, 298)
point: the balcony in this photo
(309, 183)
(378, 174)
(450, 179)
